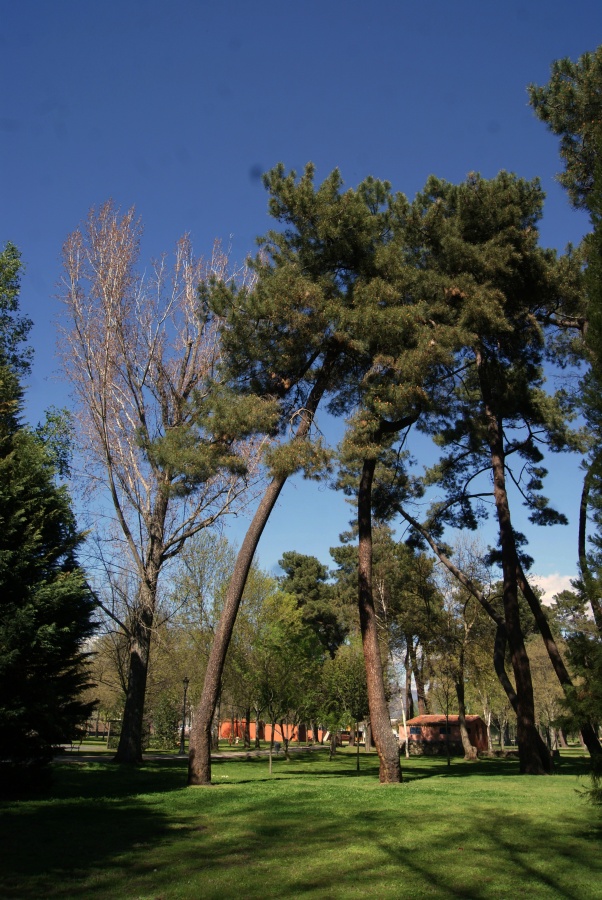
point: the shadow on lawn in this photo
(104, 836)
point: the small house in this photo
(433, 735)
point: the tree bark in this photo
(247, 738)
(588, 579)
(470, 752)
(129, 749)
(533, 755)
(420, 687)
(590, 738)
(199, 762)
(409, 700)
(380, 720)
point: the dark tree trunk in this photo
(199, 761)
(590, 583)
(248, 728)
(284, 731)
(533, 755)
(129, 749)
(590, 738)
(257, 735)
(380, 720)
(470, 752)
(409, 700)
(332, 744)
(420, 688)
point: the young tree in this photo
(306, 578)
(46, 607)
(345, 693)
(157, 433)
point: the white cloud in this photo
(552, 584)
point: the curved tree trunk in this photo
(380, 720)
(199, 761)
(588, 733)
(532, 760)
(591, 588)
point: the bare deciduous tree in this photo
(154, 429)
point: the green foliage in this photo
(482, 235)
(166, 719)
(288, 658)
(56, 433)
(569, 104)
(45, 607)
(306, 579)
(14, 328)
(344, 685)
(308, 456)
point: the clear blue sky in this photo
(177, 108)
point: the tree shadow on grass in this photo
(121, 833)
(48, 848)
(495, 854)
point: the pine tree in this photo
(45, 604)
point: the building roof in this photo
(441, 720)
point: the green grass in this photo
(314, 829)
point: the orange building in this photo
(292, 732)
(432, 734)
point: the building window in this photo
(445, 729)
(415, 729)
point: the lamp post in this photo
(182, 751)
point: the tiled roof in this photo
(440, 720)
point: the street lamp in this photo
(182, 751)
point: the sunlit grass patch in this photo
(315, 828)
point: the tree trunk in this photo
(380, 720)
(589, 581)
(199, 761)
(590, 738)
(129, 749)
(333, 745)
(488, 724)
(284, 731)
(409, 700)
(533, 755)
(257, 737)
(470, 752)
(420, 688)
(247, 738)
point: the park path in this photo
(149, 756)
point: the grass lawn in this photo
(314, 829)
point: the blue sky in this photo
(177, 108)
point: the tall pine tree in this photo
(45, 604)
